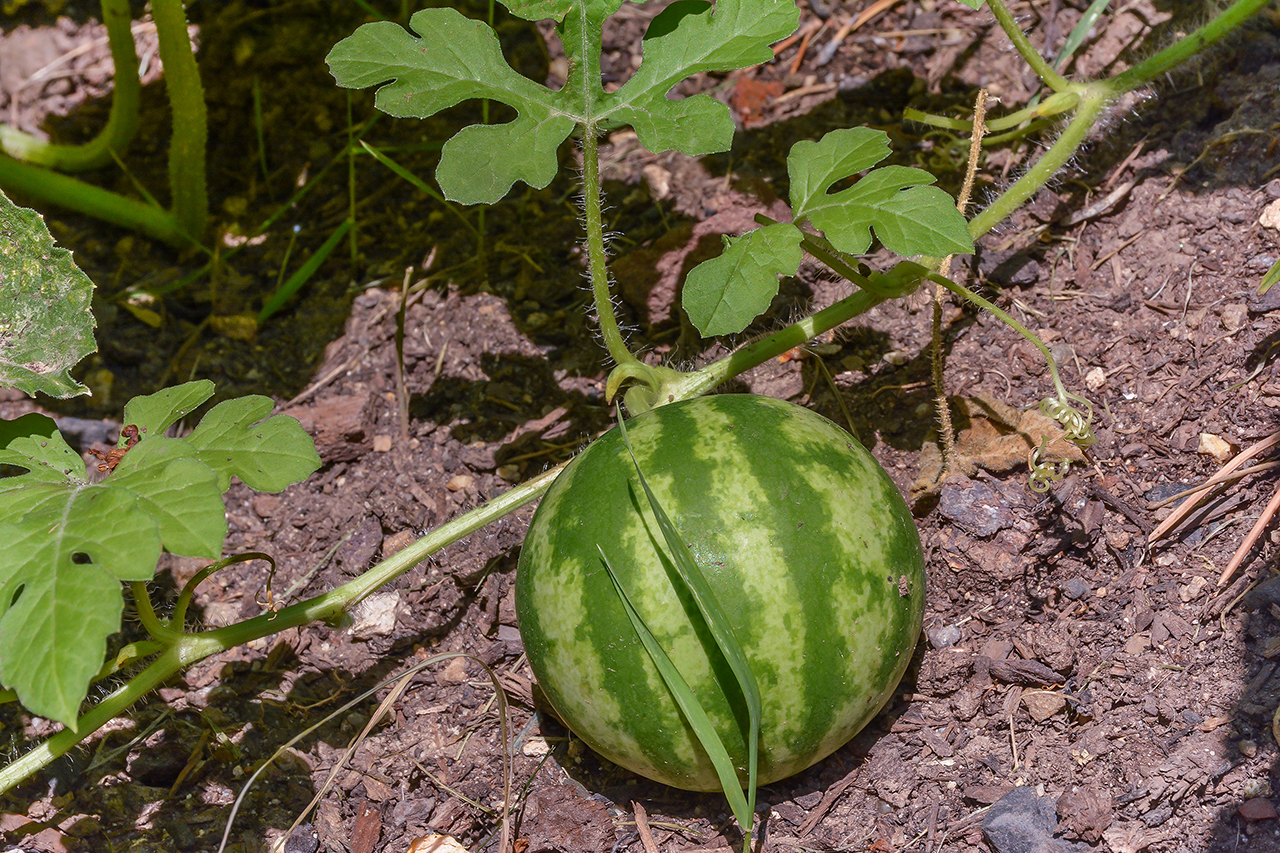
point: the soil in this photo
(1078, 686)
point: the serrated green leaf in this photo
(268, 455)
(154, 413)
(179, 491)
(33, 442)
(723, 295)
(69, 543)
(973, 4)
(46, 325)
(813, 167)
(60, 574)
(477, 166)
(669, 18)
(453, 60)
(556, 10)
(734, 34)
(908, 216)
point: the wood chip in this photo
(367, 829)
(642, 827)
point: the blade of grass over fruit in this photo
(717, 622)
(304, 273)
(417, 182)
(689, 705)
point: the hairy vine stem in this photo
(946, 432)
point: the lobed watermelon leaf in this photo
(46, 326)
(687, 38)
(453, 59)
(267, 455)
(723, 295)
(70, 541)
(909, 217)
(155, 413)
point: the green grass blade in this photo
(403, 172)
(1077, 37)
(417, 182)
(304, 273)
(689, 705)
(1272, 276)
(720, 629)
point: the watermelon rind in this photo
(807, 545)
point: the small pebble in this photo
(896, 357)
(303, 840)
(1258, 809)
(944, 637)
(459, 482)
(1076, 589)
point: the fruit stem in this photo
(159, 632)
(1186, 47)
(1095, 98)
(587, 81)
(74, 194)
(703, 380)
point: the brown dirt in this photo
(1061, 652)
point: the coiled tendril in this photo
(1077, 424)
(1079, 431)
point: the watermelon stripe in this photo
(800, 534)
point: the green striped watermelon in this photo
(807, 545)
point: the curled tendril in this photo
(1077, 426)
(1075, 423)
(1043, 472)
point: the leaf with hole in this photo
(60, 574)
(71, 541)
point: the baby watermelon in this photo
(806, 544)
